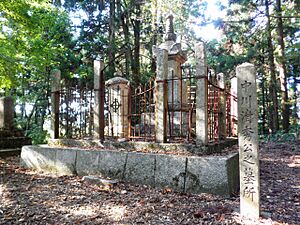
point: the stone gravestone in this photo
(248, 141)
(118, 89)
(11, 138)
(6, 113)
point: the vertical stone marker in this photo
(201, 100)
(161, 96)
(99, 100)
(248, 141)
(55, 94)
(222, 113)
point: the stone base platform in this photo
(190, 174)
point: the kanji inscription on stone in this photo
(248, 141)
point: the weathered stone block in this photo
(233, 174)
(170, 172)
(112, 164)
(206, 174)
(39, 158)
(66, 161)
(140, 168)
(87, 162)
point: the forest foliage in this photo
(37, 36)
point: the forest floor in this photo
(30, 197)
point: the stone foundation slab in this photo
(193, 174)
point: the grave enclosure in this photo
(181, 108)
(179, 104)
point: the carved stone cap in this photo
(170, 35)
(117, 80)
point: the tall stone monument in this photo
(177, 88)
(248, 141)
(176, 57)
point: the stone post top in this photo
(246, 64)
(220, 76)
(117, 80)
(55, 71)
(6, 98)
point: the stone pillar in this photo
(233, 106)
(7, 113)
(161, 96)
(248, 141)
(201, 101)
(55, 94)
(222, 113)
(99, 90)
(118, 89)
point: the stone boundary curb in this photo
(191, 174)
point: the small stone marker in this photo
(248, 141)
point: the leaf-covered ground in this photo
(29, 197)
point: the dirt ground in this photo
(30, 197)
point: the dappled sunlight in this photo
(115, 212)
(261, 221)
(294, 161)
(82, 211)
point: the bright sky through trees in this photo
(209, 32)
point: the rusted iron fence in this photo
(231, 116)
(76, 109)
(141, 112)
(181, 106)
(213, 108)
(77, 103)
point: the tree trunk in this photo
(128, 53)
(136, 51)
(282, 69)
(273, 109)
(155, 31)
(111, 52)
